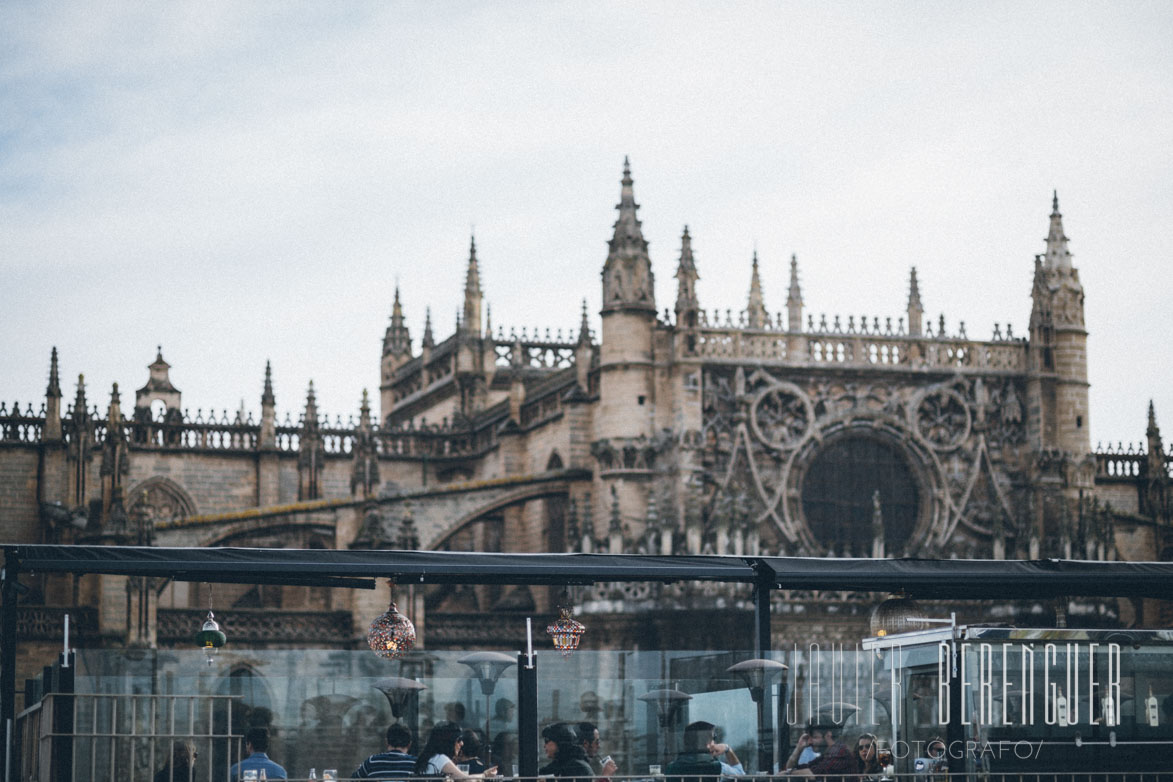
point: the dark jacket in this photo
(570, 764)
(694, 767)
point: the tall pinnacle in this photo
(471, 320)
(1057, 257)
(915, 310)
(628, 234)
(54, 388)
(310, 423)
(794, 298)
(267, 397)
(756, 309)
(627, 274)
(1152, 430)
(79, 402)
(472, 278)
(686, 277)
(397, 340)
(584, 326)
(428, 340)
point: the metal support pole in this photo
(63, 708)
(527, 715)
(8, 591)
(761, 615)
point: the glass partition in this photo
(331, 709)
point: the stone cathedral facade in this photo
(676, 429)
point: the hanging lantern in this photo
(566, 632)
(898, 614)
(211, 637)
(392, 634)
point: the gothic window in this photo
(839, 490)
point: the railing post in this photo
(8, 590)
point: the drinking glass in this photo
(329, 773)
(654, 770)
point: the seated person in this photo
(701, 756)
(565, 753)
(395, 763)
(835, 758)
(256, 745)
(471, 747)
(443, 744)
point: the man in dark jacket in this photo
(703, 759)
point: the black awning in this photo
(334, 567)
(972, 579)
(975, 579)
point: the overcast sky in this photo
(247, 181)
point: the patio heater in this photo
(398, 689)
(668, 704)
(487, 667)
(756, 674)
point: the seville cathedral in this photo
(675, 429)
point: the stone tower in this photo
(1058, 386)
(627, 393)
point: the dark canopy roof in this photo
(972, 579)
(354, 567)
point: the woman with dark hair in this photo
(567, 758)
(443, 744)
(470, 751)
(179, 766)
(866, 754)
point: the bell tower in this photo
(1058, 349)
(626, 390)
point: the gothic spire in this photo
(627, 227)
(397, 340)
(267, 397)
(310, 422)
(756, 309)
(915, 309)
(114, 412)
(364, 411)
(54, 389)
(1152, 430)
(79, 403)
(428, 340)
(1057, 258)
(584, 326)
(627, 274)
(794, 298)
(471, 319)
(686, 277)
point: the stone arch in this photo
(159, 499)
(499, 503)
(554, 462)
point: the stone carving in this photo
(943, 419)
(159, 500)
(781, 416)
